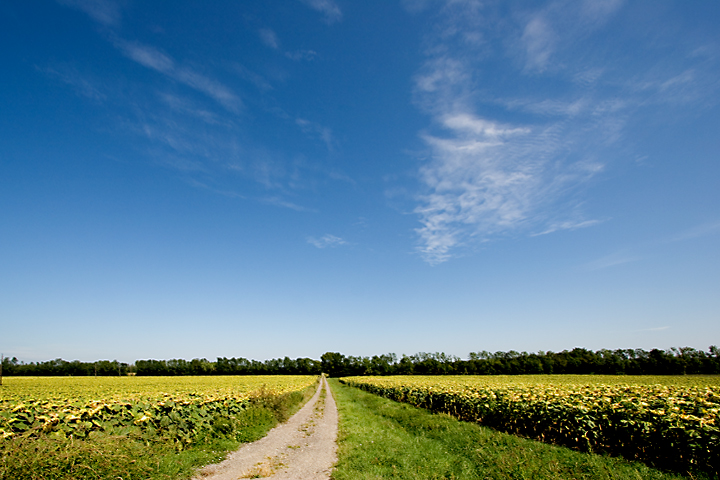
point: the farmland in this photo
(165, 427)
(669, 422)
(125, 388)
(180, 408)
(175, 420)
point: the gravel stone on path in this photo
(303, 448)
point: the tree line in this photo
(675, 361)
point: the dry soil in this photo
(303, 448)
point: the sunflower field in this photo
(177, 409)
(667, 422)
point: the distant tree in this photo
(684, 360)
(333, 364)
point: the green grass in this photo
(379, 438)
(46, 458)
(121, 457)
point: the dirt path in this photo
(303, 448)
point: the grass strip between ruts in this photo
(379, 438)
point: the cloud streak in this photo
(511, 155)
(654, 329)
(82, 84)
(269, 38)
(556, 26)
(208, 153)
(612, 260)
(300, 55)
(200, 137)
(487, 178)
(699, 231)
(539, 42)
(328, 8)
(326, 241)
(316, 130)
(105, 12)
(154, 59)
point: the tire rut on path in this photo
(303, 448)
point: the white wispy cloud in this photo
(567, 225)
(488, 178)
(612, 260)
(556, 26)
(588, 76)
(108, 13)
(675, 86)
(596, 12)
(205, 150)
(552, 107)
(164, 130)
(298, 55)
(212, 88)
(498, 163)
(468, 124)
(246, 74)
(188, 107)
(276, 201)
(269, 38)
(152, 58)
(443, 80)
(628, 256)
(316, 130)
(653, 329)
(146, 56)
(105, 12)
(710, 228)
(328, 8)
(281, 202)
(326, 241)
(82, 84)
(267, 170)
(225, 193)
(539, 41)
(199, 136)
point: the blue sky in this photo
(262, 179)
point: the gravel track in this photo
(303, 448)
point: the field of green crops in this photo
(668, 422)
(177, 409)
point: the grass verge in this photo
(121, 457)
(379, 438)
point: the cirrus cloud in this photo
(327, 7)
(326, 241)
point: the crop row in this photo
(665, 426)
(180, 417)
